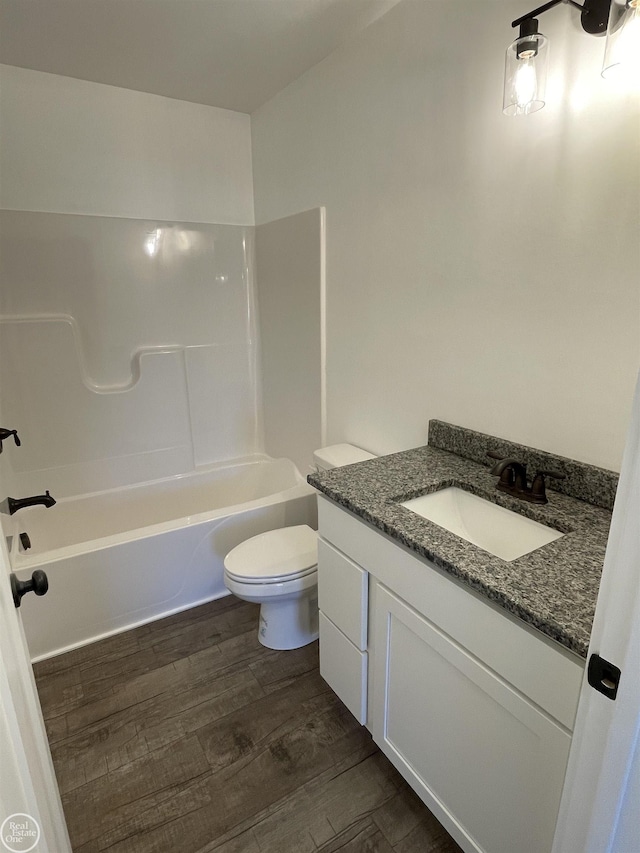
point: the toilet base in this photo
(290, 623)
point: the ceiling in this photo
(234, 54)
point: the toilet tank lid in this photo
(340, 454)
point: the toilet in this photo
(279, 570)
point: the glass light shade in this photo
(622, 51)
(525, 75)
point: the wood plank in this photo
(410, 828)
(97, 807)
(362, 836)
(187, 734)
(428, 837)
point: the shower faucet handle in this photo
(7, 433)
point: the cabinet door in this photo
(487, 762)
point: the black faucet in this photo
(15, 504)
(513, 479)
(7, 433)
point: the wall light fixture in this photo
(526, 59)
(622, 51)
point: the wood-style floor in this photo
(187, 735)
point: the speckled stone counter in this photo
(553, 588)
(586, 482)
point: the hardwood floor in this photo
(187, 735)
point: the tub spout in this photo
(14, 504)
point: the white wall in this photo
(480, 269)
(127, 329)
(70, 146)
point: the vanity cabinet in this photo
(472, 706)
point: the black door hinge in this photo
(603, 676)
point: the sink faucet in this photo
(513, 479)
(512, 474)
(14, 504)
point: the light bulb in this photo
(525, 74)
(525, 84)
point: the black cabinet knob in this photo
(39, 584)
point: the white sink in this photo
(493, 528)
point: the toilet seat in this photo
(278, 579)
(274, 557)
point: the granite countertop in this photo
(554, 588)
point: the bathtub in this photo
(119, 558)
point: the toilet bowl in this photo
(279, 570)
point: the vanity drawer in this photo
(344, 668)
(342, 593)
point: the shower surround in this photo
(128, 348)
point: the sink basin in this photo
(493, 528)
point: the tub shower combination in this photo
(119, 558)
(132, 365)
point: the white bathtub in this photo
(120, 558)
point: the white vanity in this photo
(474, 707)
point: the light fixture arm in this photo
(594, 14)
(544, 8)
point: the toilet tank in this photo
(339, 454)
